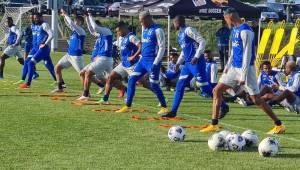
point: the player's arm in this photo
(296, 84)
(133, 39)
(195, 35)
(98, 29)
(46, 27)
(247, 37)
(180, 60)
(280, 81)
(161, 41)
(229, 62)
(214, 73)
(18, 33)
(259, 81)
(90, 28)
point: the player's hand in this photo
(130, 59)
(176, 67)
(242, 82)
(194, 61)
(42, 45)
(14, 45)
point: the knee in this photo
(89, 73)
(257, 100)
(58, 68)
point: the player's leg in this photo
(2, 64)
(49, 64)
(63, 63)
(184, 78)
(138, 73)
(27, 49)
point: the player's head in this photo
(32, 18)
(145, 19)
(231, 17)
(122, 29)
(9, 21)
(173, 57)
(178, 22)
(79, 20)
(290, 67)
(98, 22)
(38, 18)
(266, 67)
(207, 55)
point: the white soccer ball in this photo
(251, 138)
(176, 134)
(235, 142)
(224, 133)
(268, 147)
(216, 142)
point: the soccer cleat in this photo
(159, 105)
(103, 102)
(24, 86)
(57, 90)
(83, 99)
(101, 90)
(124, 109)
(121, 93)
(35, 76)
(205, 95)
(241, 101)
(211, 128)
(277, 130)
(19, 82)
(223, 112)
(169, 115)
(163, 110)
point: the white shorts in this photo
(68, 61)
(232, 79)
(102, 67)
(13, 51)
(291, 107)
(124, 71)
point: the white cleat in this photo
(241, 102)
(57, 90)
(83, 99)
(101, 90)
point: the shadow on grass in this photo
(195, 141)
(288, 155)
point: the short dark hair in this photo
(121, 24)
(9, 19)
(38, 14)
(174, 54)
(266, 62)
(97, 22)
(230, 10)
(181, 19)
(80, 18)
(207, 51)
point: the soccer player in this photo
(130, 49)
(13, 45)
(101, 60)
(171, 76)
(188, 39)
(74, 55)
(289, 97)
(240, 70)
(211, 69)
(41, 37)
(153, 49)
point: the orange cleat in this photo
(24, 86)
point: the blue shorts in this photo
(27, 47)
(170, 75)
(144, 66)
(40, 54)
(198, 71)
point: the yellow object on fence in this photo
(277, 41)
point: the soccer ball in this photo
(235, 142)
(251, 138)
(268, 147)
(224, 133)
(176, 134)
(216, 142)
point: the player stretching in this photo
(195, 65)
(41, 37)
(101, 60)
(130, 49)
(74, 55)
(13, 42)
(240, 70)
(153, 49)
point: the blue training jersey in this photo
(188, 45)
(28, 35)
(291, 82)
(268, 79)
(12, 36)
(237, 46)
(95, 49)
(39, 35)
(208, 69)
(105, 46)
(171, 67)
(76, 44)
(149, 42)
(127, 50)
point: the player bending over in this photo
(41, 37)
(101, 60)
(13, 45)
(74, 56)
(130, 49)
(289, 97)
(153, 49)
(240, 70)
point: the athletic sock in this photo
(86, 93)
(101, 85)
(60, 85)
(105, 97)
(214, 121)
(278, 123)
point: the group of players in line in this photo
(145, 57)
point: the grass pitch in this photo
(38, 132)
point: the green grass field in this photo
(39, 133)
